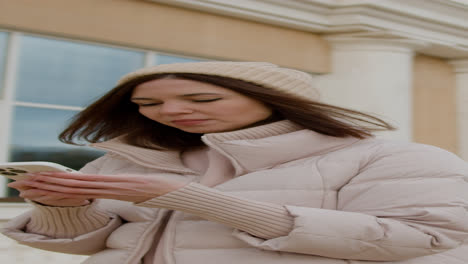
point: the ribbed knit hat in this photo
(269, 75)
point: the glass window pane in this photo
(68, 73)
(3, 52)
(167, 59)
(34, 138)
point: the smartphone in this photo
(17, 170)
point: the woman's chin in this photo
(206, 129)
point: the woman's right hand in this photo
(45, 197)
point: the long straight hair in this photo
(114, 115)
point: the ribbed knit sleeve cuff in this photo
(66, 222)
(260, 219)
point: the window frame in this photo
(7, 94)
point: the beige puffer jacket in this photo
(351, 201)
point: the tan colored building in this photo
(405, 60)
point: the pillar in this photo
(373, 76)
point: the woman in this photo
(236, 162)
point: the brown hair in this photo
(114, 115)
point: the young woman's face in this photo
(197, 107)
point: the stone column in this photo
(461, 71)
(373, 76)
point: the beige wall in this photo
(434, 103)
(148, 25)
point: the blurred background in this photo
(403, 60)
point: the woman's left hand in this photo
(132, 188)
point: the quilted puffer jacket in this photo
(346, 200)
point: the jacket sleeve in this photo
(405, 202)
(73, 230)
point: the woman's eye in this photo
(149, 104)
(206, 100)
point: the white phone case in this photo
(17, 170)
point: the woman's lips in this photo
(188, 122)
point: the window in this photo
(68, 73)
(54, 80)
(34, 138)
(167, 59)
(3, 48)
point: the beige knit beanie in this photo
(269, 75)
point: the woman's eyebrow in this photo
(140, 98)
(183, 95)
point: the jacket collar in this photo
(166, 160)
(248, 149)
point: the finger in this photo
(70, 182)
(37, 193)
(18, 185)
(61, 202)
(67, 190)
(95, 189)
(28, 195)
(86, 177)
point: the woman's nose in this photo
(174, 108)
